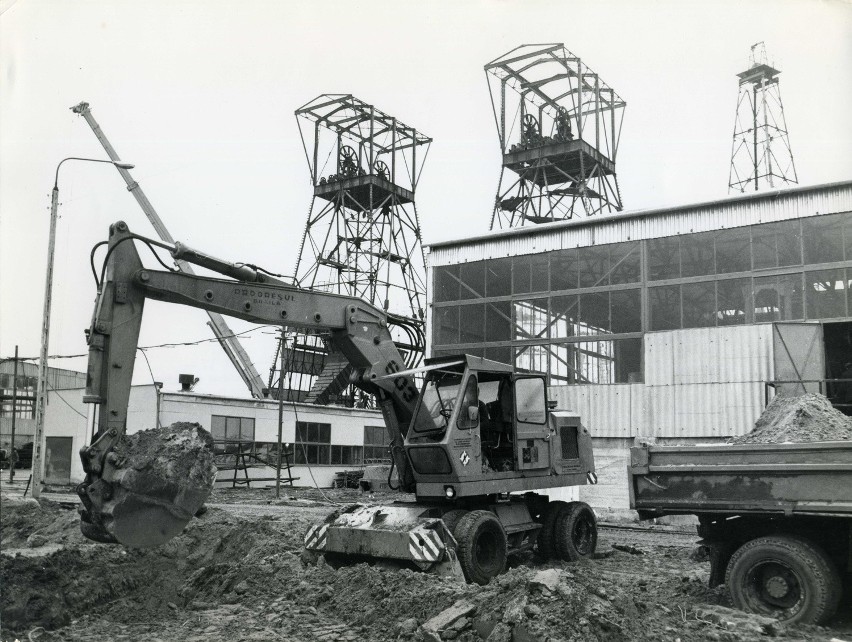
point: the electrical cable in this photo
(65, 402)
(154, 381)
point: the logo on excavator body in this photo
(465, 458)
(264, 296)
(316, 539)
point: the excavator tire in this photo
(482, 546)
(546, 536)
(451, 519)
(575, 532)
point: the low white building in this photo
(331, 438)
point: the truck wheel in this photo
(451, 519)
(576, 532)
(482, 546)
(785, 577)
(546, 543)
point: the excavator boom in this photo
(359, 330)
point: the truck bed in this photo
(790, 479)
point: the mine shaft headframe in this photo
(566, 98)
(559, 127)
(348, 139)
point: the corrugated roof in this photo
(731, 211)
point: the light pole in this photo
(41, 390)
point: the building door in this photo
(799, 358)
(57, 461)
(838, 364)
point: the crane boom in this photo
(230, 344)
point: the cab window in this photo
(469, 411)
(531, 405)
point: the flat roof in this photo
(592, 221)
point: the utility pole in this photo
(13, 455)
(280, 420)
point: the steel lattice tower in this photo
(559, 127)
(761, 147)
(362, 237)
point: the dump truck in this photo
(473, 444)
(776, 518)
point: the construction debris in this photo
(806, 418)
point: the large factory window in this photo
(312, 443)
(626, 264)
(376, 442)
(531, 319)
(498, 321)
(825, 294)
(664, 302)
(699, 304)
(733, 251)
(696, 255)
(626, 311)
(498, 277)
(564, 270)
(823, 239)
(733, 301)
(232, 428)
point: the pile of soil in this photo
(806, 418)
(246, 577)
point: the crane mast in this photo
(229, 342)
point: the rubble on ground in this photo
(241, 575)
(805, 418)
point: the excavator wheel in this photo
(546, 543)
(451, 519)
(482, 546)
(575, 532)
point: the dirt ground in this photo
(238, 573)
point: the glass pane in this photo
(325, 433)
(539, 273)
(299, 454)
(564, 312)
(530, 398)
(312, 454)
(498, 321)
(247, 429)
(217, 426)
(531, 359)
(521, 268)
(472, 330)
(626, 311)
(313, 433)
(337, 454)
(594, 266)
(531, 319)
(594, 314)
(823, 239)
(733, 301)
(825, 294)
(469, 400)
(501, 354)
(301, 431)
(561, 364)
(323, 454)
(699, 304)
(665, 307)
(498, 277)
(595, 362)
(446, 283)
(733, 251)
(790, 297)
(232, 428)
(626, 263)
(696, 254)
(664, 258)
(789, 242)
(564, 270)
(763, 246)
(628, 361)
(446, 325)
(472, 278)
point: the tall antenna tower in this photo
(559, 126)
(761, 147)
(362, 237)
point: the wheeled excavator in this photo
(473, 444)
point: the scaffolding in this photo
(559, 127)
(761, 147)
(362, 237)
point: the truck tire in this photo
(785, 577)
(546, 544)
(451, 519)
(576, 532)
(482, 546)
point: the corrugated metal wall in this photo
(732, 212)
(705, 382)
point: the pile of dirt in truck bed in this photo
(242, 574)
(809, 417)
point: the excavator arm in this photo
(359, 330)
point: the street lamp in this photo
(41, 390)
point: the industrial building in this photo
(670, 323)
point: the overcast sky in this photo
(200, 96)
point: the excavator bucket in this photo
(404, 532)
(150, 486)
